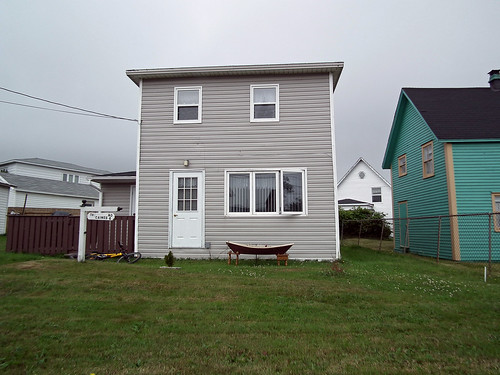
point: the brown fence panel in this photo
(50, 235)
(46, 235)
(103, 236)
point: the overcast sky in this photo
(76, 52)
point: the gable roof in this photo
(458, 113)
(55, 164)
(137, 75)
(452, 114)
(52, 187)
(369, 166)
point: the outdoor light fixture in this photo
(186, 163)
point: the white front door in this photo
(187, 209)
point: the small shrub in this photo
(169, 259)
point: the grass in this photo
(374, 313)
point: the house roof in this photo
(4, 183)
(121, 177)
(55, 164)
(361, 160)
(458, 113)
(237, 70)
(52, 187)
(353, 201)
(452, 114)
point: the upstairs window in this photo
(71, 178)
(376, 194)
(402, 165)
(187, 105)
(428, 160)
(264, 103)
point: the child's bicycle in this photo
(122, 256)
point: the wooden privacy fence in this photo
(50, 235)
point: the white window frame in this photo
(279, 191)
(375, 194)
(176, 105)
(276, 103)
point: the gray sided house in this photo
(118, 189)
(444, 156)
(237, 153)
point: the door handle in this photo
(175, 215)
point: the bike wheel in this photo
(130, 257)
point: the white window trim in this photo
(176, 112)
(377, 194)
(276, 103)
(279, 192)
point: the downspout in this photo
(138, 158)
(334, 162)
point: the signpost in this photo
(92, 213)
(107, 216)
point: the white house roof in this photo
(237, 70)
(369, 166)
(51, 187)
(55, 164)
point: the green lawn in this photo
(381, 313)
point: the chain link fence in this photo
(472, 238)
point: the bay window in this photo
(266, 192)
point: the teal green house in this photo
(444, 155)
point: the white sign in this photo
(109, 216)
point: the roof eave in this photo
(136, 75)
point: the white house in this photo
(42, 183)
(4, 199)
(237, 153)
(363, 186)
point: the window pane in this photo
(265, 192)
(239, 192)
(292, 192)
(264, 111)
(428, 152)
(188, 97)
(429, 167)
(264, 95)
(187, 113)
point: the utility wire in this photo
(97, 114)
(51, 109)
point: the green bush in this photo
(169, 259)
(370, 221)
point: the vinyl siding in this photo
(46, 172)
(36, 200)
(4, 197)
(425, 197)
(116, 195)
(477, 176)
(227, 140)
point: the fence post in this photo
(381, 234)
(342, 233)
(359, 234)
(489, 244)
(439, 239)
